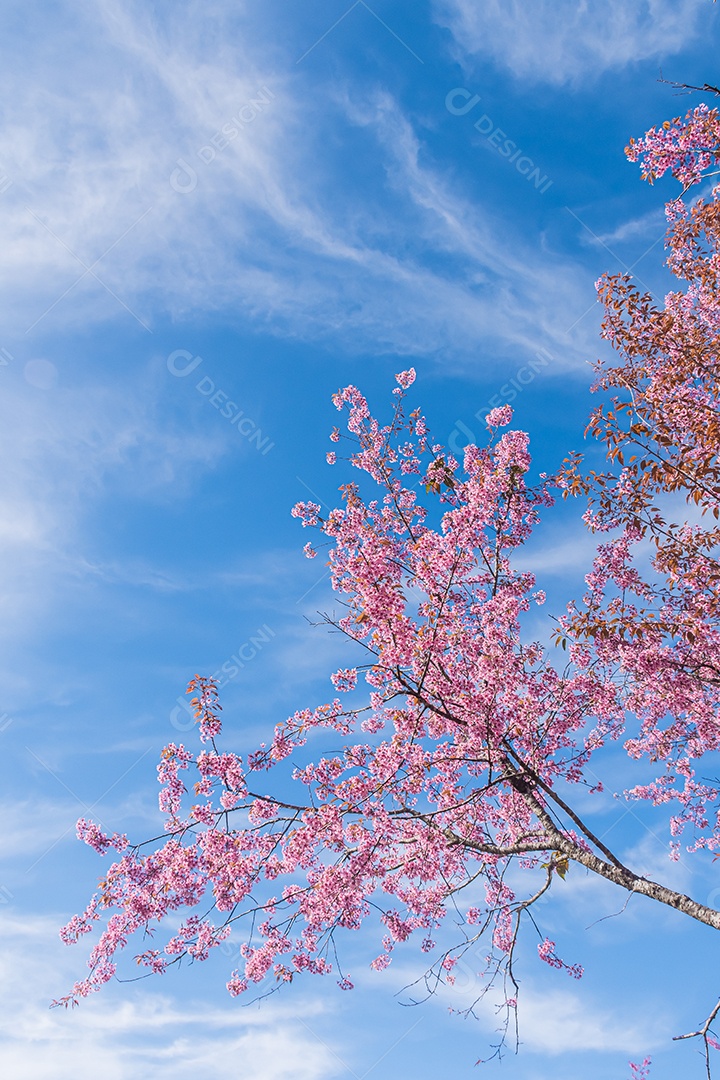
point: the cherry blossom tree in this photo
(442, 778)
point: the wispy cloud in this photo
(649, 226)
(560, 41)
(558, 1021)
(102, 223)
(147, 1034)
(64, 446)
(553, 1021)
(504, 291)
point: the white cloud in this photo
(558, 1021)
(650, 857)
(551, 1021)
(508, 291)
(651, 226)
(64, 445)
(145, 1033)
(90, 167)
(559, 554)
(34, 828)
(262, 231)
(562, 41)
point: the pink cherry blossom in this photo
(500, 416)
(405, 379)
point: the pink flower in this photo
(307, 511)
(344, 679)
(546, 952)
(236, 985)
(499, 417)
(405, 378)
(96, 838)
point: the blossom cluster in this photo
(686, 146)
(403, 809)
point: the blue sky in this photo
(271, 201)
